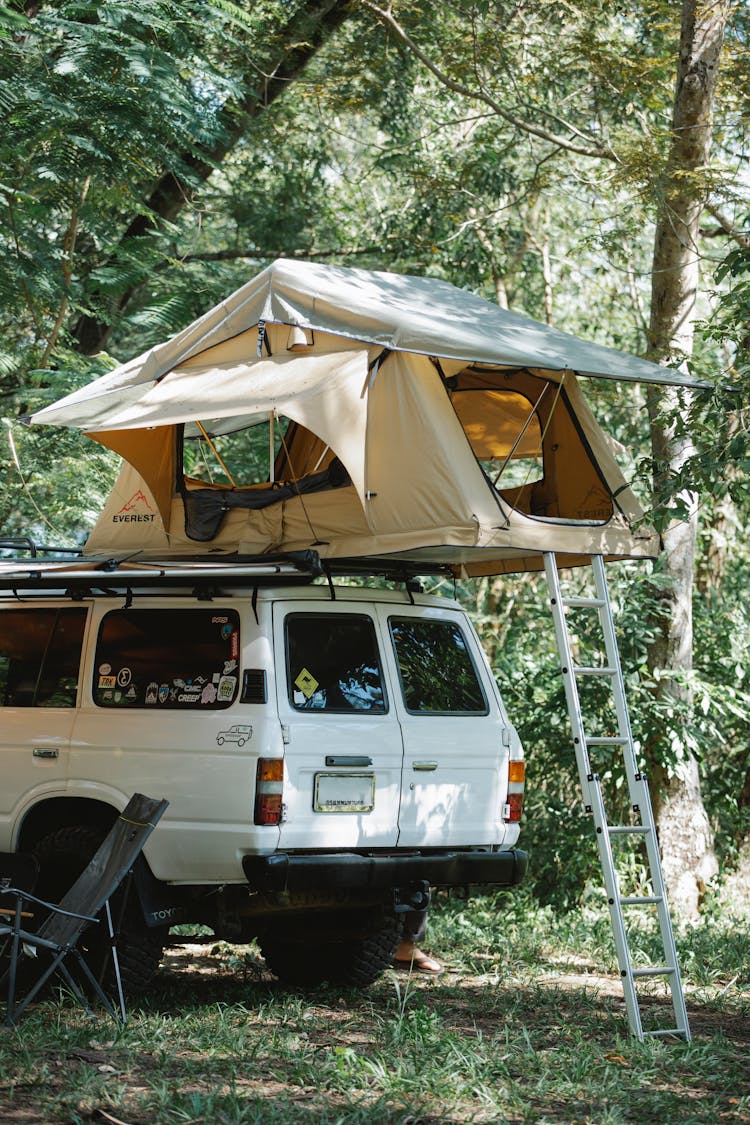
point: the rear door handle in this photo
(49, 753)
(424, 766)
(348, 760)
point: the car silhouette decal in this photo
(240, 733)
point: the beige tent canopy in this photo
(362, 414)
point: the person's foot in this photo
(409, 958)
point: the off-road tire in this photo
(357, 961)
(62, 856)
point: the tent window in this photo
(504, 434)
(532, 447)
(250, 468)
(235, 459)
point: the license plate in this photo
(344, 792)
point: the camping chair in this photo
(80, 907)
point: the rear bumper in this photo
(352, 871)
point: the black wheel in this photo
(353, 959)
(62, 856)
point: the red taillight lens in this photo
(513, 807)
(268, 791)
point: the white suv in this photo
(329, 753)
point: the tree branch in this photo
(302, 37)
(597, 152)
(727, 227)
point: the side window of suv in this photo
(40, 656)
(167, 658)
(333, 663)
(435, 667)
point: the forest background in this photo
(584, 163)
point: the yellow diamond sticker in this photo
(306, 683)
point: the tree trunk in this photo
(685, 833)
(299, 41)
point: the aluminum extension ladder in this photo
(640, 802)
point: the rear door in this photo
(40, 659)
(455, 736)
(343, 753)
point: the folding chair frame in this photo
(59, 934)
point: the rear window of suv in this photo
(167, 658)
(40, 654)
(435, 667)
(333, 663)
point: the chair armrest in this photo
(26, 896)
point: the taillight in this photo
(268, 790)
(516, 782)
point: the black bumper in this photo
(352, 871)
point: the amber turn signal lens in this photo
(270, 769)
(516, 771)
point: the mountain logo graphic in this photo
(137, 499)
(136, 510)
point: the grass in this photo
(526, 1026)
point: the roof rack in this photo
(111, 575)
(66, 570)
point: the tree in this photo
(595, 128)
(685, 832)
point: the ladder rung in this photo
(666, 1031)
(585, 603)
(641, 900)
(596, 671)
(654, 971)
(606, 741)
(627, 829)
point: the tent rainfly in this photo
(363, 414)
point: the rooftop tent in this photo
(362, 414)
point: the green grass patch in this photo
(526, 1026)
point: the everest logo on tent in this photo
(133, 510)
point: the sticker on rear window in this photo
(306, 683)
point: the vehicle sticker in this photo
(306, 683)
(219, 620)
(107, 681)
(105, 669)
(235, 644)
(208, 695)
(163, 693)
(229, 667)
(152, 693)
(227, 685)
(118, 697)
(131, 693)
(239, 734)
(124, 677)
(226, 631)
